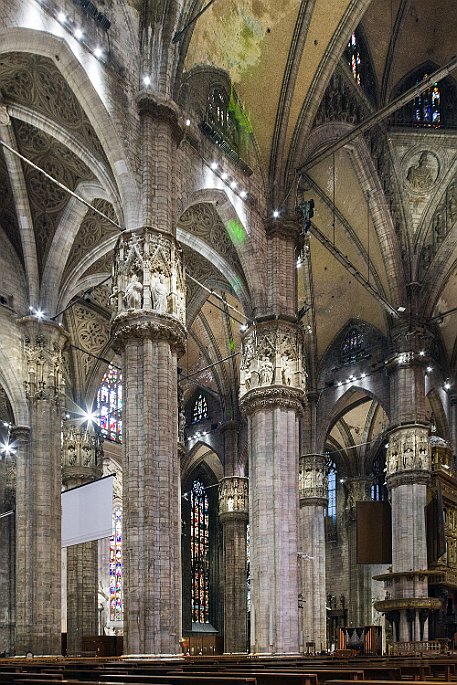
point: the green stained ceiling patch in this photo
(231, 34)
(236, 232)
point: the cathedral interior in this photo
(228, 275)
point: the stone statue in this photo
(133, 293)
(159, 294)
(266, 371)
(421, 176)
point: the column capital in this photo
(157, 106)
(272, 355)
(148, 291)
(408, 455)
(272, 397)
(287, 227)
(312, 480)
(233, 498)
(42, 345)
(81, 454)
(20, 434)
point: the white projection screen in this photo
(87, 512)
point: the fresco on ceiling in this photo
(231, 36)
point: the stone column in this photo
(149, 330)
(408, 475)
(81, 464)
(233, 515)
(7, 551)
(359, 605)
(313, 493)
(272, 394)
(38, 491)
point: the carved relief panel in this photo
(148, 275)
(43, 364)
(408, 450)
(312, 477)
(271, 356)
(233, 495)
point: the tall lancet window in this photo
(116, 604)
(331, 506)
(353, 57)
(108, 406)
(199, 546)
(200, 409)
(427, 107)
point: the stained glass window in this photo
(200, 409)
(353, 57)
(116, 605)
(199, 545)
(352, 345)
(331, 506)
(378, 485)
(218, 109)
(427, 106)
(109, 405)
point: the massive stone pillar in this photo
(233, 515)
(81, 464)
(313, 493)
(360, 575)
(38, 490)
(408, 476)
(148, 328)
(272, 395)
(7, 550)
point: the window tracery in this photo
(427, 106)
(354, 59)
(116, 603)
(199, 545)
(108, 405)
(331, 504)
(352, 346)
(200, 409)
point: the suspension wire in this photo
(212, 292)
(210, 366)
(62, 186)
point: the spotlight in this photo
(243, 327)
(429, 369)
(233, 185)
(243, 194)
(275, 214)
(39, 314)
(447, 385)
(214, 166)
(62, 17)
(224, 176)
(187, 122)
(146, 80)
(98, 52)
(78, 34)
(422, 353)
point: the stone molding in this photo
(156, 106)
(384, 605)
(233, 497)
(42, 346)
(272, 397)
(148, 276)
(140, 325)
(272, 354)
(285, 228)
(312, 480)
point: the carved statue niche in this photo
(159, 292)
(134, 293)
